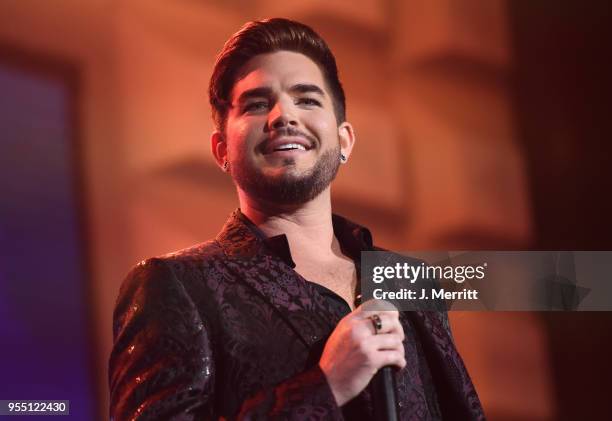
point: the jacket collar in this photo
(240, 237)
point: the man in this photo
(263, 322)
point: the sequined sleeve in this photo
(161, 363)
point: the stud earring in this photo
(225, 166)
(343, 158)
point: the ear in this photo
(346, 134)
(219, 148)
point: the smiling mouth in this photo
(287, 145)
(290, 147)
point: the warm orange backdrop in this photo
(438, 162)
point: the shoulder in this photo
(198, 258)
(206, 251)
(181, 270)
(184, 279)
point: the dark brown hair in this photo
(267, 36)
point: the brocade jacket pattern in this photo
(228, 330)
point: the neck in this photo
(308, 226)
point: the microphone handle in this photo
(384, 396)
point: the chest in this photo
(338, 276)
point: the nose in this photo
(281, 115)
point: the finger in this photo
(386, 342)
(389, 357)
(389, 323)
(372, 307)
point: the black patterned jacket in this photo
(227, 329)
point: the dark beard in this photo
(288, 189)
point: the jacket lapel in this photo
(458, 396)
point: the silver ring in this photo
(377, 323)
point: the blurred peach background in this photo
(471, 130)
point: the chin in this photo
(289, 171)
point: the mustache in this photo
(290, 131)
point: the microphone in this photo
(383, 385)
(383, 394)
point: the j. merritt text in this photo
(426, 294)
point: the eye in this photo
(255, 106)
(309, 102)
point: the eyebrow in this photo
(263, 91)
(304, 88)
(254, 93)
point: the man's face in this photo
(281, 131)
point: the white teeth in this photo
(289, 146)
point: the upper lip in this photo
(276, 142)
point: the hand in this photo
(355, 352)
